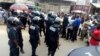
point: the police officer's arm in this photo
(15, 41)
(93, 36)
(13, 37)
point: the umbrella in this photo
(19, 7)
(86, 51)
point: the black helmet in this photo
(42, 15)
(57, 21)
(52, 18)
(35, 20)
(13, 21)
(33, 12)
(54, 15)
(36, 13)
(50, 13)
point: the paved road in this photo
(64, 49)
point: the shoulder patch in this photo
(52, 29)
(32, 27)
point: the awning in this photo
(79, 11)
(97, 5)
(71, 0)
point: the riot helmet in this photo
(50, 13)
(35, 20)
(57, 21)
(13, 21)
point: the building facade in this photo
(95, 6)
(56, 5)
(7, 1)
(15, 1)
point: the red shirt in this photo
(94, 42)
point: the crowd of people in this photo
(3, 15)
(69, 26)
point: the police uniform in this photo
(34, 35)
(53, 38)
(49, 22)
(23, 19)
(13, 37)
(41, 23)
(31, 15)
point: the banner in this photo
(81, 7)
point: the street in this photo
(65, 45)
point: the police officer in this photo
(41, 23)
(23, 18)
(19, 32)
(18, 29)
(34, 35)
(13, 37)
(32, 15)
(54, 37)
(50, 21)
(14, 15)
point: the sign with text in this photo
(81, 7)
